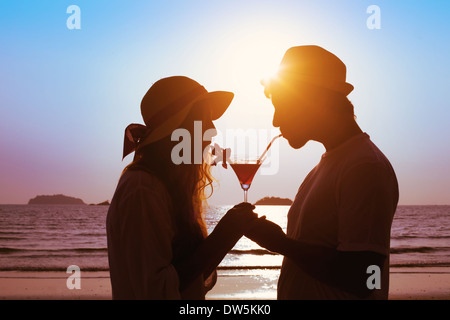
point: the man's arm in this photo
(341, 269)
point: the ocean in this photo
(53, 237)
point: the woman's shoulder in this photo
(137, 179)
(140, 194)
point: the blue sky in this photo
(67, 95)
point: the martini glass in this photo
(245, 168)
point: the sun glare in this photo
(251, 55)
(256, 57)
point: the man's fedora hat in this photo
(313, 65)
(166, 105)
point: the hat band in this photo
(330, 84)
(136, 133)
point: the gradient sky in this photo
(67, 95)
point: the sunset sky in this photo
(67, 95)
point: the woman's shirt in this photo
(140, 233)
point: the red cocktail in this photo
(245, 171)
(246, 168)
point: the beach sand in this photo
(405, 284)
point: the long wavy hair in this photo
(189, 186)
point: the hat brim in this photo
(217, 101)
(341, 87)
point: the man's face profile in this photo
(295, 115)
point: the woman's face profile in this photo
(200, 126)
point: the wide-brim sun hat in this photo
(310, 65)
(167, 104)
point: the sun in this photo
(250, 54)
(256, 57)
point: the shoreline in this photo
(425, 283)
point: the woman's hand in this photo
(205, 259)
(237, 219)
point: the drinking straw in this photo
(268, 147)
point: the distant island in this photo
(55, 199)
(104, 203)
(273, 201)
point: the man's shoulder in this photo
(366, 152)
(368, 163)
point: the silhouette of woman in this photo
(158, 247)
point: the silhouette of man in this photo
(339, 223)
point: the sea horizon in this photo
(52, 237)
(213, 204)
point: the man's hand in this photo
(267, 234)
